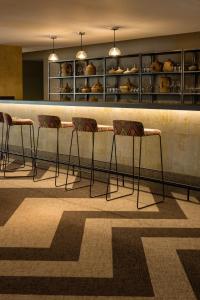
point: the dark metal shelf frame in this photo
(140, 75)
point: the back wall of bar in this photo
(154, 44)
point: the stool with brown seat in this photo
(51, 122)
(10, 122)
(90, 126)
(135, 129)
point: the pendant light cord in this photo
(53, 44)
(81, 41)
(114, 37)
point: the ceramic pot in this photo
(168, 66)
(134, 69)
(66, 89)
(66, 69)
(156, 66)
(193, 68)
(90, 69)
(165, 83)
(119, 71)
(86, 89)
(97, 87)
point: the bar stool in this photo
(135, 129)
(51, 122)
(10, 122)
(2, 132)
(90, 126)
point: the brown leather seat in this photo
(102, 128)
(13, 121)
(150, 132)
(66, 124)
(18, 121)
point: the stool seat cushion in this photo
(17, 121)
(66, 124)
(102, 128)
(149, 132)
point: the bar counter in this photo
(180, 128)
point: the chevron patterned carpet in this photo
(63, 245)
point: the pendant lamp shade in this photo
(114, 51)
(53, 56)
(81, 54)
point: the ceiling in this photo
(29, 23)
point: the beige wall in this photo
(11, 71)
(173, 42)
(180, 134)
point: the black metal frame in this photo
(57, 170)
(114, 146)
(6, 151)
(92, 168)
(154, 96)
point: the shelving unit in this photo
(185, 84)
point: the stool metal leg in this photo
(22, 141)
(69, 160)
(162, 170)
(162, 175)
(110, 164)
(6, 150)
(36, 158)
(79, 160)
(36, 152)
(2, 148)
(114, 146)
(92, 170)
(57, 158)
(32, 144)
(92, 167)
(139, 167)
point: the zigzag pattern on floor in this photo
(63, 245)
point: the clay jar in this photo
(168, 66)
(66, 69)
(165, 84)
(97, 87)
(90, 70)
(134, 69)
(156, 66)
(86, 89)
(66, 89)
(119, 71)
(93, 99)
(127, 87)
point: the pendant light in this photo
(53, 56)
(81, 54)
(114, 51)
